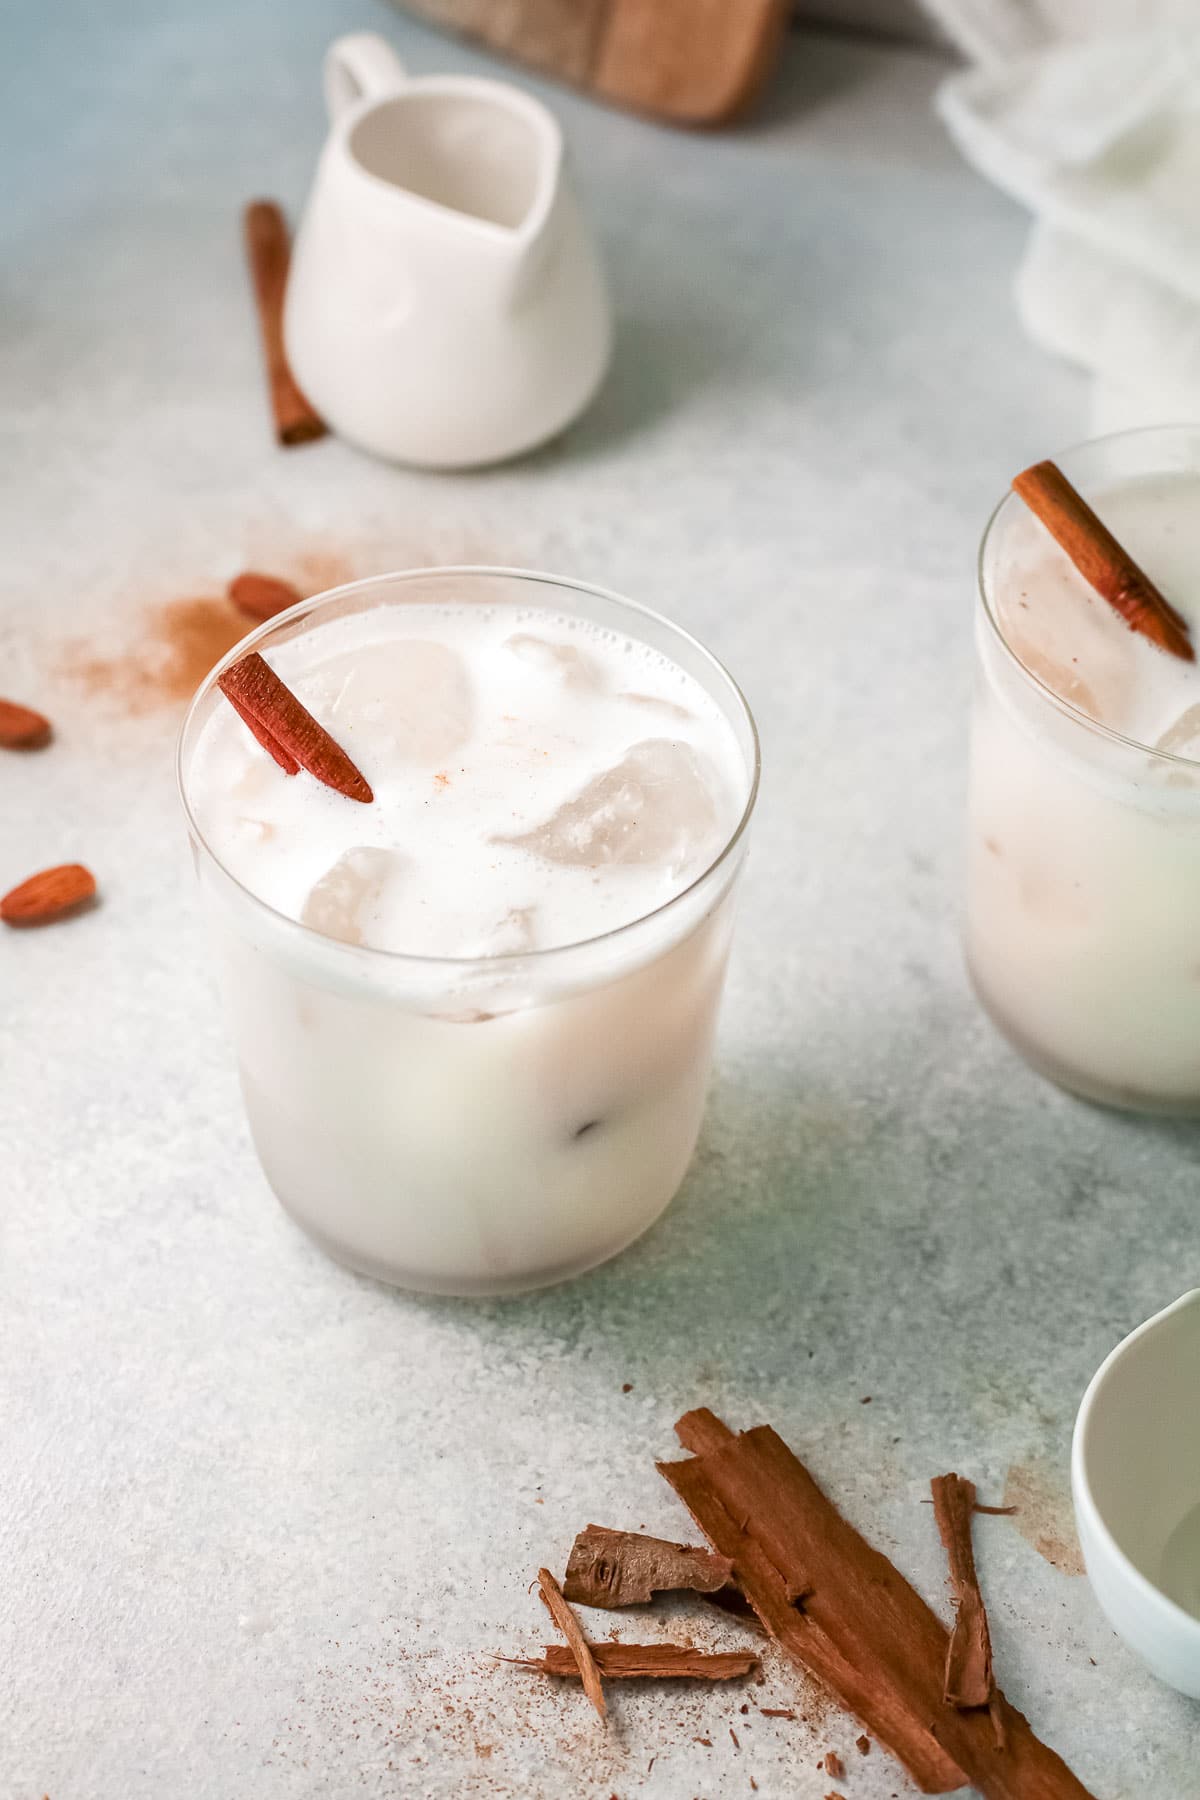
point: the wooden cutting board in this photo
(695, 62)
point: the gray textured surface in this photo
(261, 1521)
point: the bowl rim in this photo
(1172, 1616)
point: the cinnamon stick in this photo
(270, 744)
(580, 1651)
(269, 253)
(858, 1625)
(625, 1568)
(287, 729)
(969, 1680)
(1101, 560)
(650, 1662)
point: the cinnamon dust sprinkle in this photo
(1044, 1516)
(178, 640)
(179, 643)
(175, 641)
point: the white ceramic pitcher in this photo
(446, 305)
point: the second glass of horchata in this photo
(1083, 907)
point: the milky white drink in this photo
(474, 1017)
(1084, 856)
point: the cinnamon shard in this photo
(969, 1680)
(287, 762)
(581, 1652)
(21, 728)
(269, 253)
(649, 1662)
(625, 1568)
(1101, 560)
(862, 1630)
(262, 596)
(48, 895)
(287, 729)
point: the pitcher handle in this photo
(361, 66)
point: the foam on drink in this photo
(538, 781)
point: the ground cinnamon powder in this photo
(180, 640)
(179, 645)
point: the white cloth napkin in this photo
(1100, 137)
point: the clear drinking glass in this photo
(1083, 883)
(483, 1126)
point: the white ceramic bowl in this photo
(1135, 1475)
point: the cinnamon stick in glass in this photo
(1104, 563)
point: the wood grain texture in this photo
(699, 62)
(646, 1662)
(558, 36)
(841, 1610)
(693, 62)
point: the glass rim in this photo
(1044, 691)
(365, 955)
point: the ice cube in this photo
(566, 661)
(1182, 738)
(657, 805)
(1074, 642)
(253, 788)
(1060, 677)
(510, 935)
(659, 704)
(345, 902)
(409, 697)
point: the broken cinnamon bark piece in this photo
(858, 1626)
(579, 1650)
(650, 1662)
(626, 1568)
(969, 1680)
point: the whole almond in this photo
(262, 596)
(21, 728)
(48, 894)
